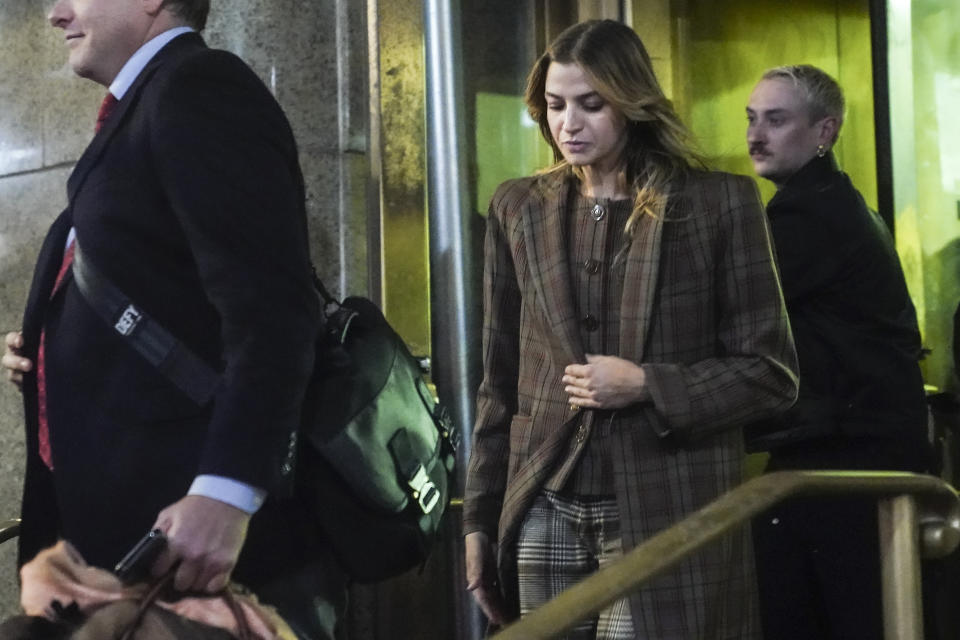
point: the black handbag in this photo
(376, 455)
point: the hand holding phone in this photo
(135, 566)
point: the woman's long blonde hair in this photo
(657, 153)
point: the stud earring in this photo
(821, 151)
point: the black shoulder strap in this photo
(181, 366)
(187, 371)
(318, 283)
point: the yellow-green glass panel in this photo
(924, 67)
(721, 56)
(509, 143)
(404, 242)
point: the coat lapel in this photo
(96, 147)
(544, 231)
(640, 275)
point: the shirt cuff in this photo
(238, 494)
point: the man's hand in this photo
(605, 382)
(481, 566)
(205, 536)
(15, 364)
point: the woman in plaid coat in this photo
(633, 324)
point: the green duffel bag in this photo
(379, 453)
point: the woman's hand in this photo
(481, 566)
(605, 382)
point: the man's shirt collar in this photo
(139, 60)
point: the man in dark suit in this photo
(861, 402)
(190, 200)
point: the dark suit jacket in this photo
(703, 314)
(191, 200)
(855, 329)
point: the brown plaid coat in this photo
(703, 313)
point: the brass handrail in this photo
(9, 529)
(912, 508)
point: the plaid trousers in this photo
(562, 540)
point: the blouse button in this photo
(598, 212)
(590, 322)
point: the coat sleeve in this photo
(497, 396)
(228, 163)
(753, 374)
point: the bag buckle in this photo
(425, 492)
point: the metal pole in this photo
(455, 331)
(900, 568)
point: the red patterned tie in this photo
(106, 108)
(44, 434)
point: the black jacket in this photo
(190, 199)
(853, 322)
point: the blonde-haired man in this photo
(861, 403)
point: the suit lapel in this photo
(544, 230)
(640, 277)
(94, 150)
(96, 147)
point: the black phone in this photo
(135, 565)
